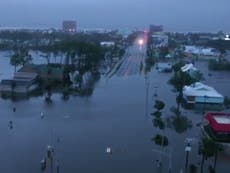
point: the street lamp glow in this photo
(140, 42)
(227, 37)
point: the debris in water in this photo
(43, 164)
(108, 150)
(42, 115)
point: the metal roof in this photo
(219, 122)
(200, 89)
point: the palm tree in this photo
(179, 80)
(209, 148)
(16, 60)
(218, 148)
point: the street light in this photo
(140, 42)
(188, 149)
(50, 156)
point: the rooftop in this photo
(222, 119)
(200, 89)
(24, 75)
(188, 67)
(219, 121)
(207, 51)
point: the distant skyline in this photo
(174, 15)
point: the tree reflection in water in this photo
(178, 122)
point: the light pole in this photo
(166, 154)
(155, 91)
(50, 156)
(147, 82)
(188, 149)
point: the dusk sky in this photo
(175, 15)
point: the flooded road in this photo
(131, 64)
(81, 128)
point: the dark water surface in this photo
(81, 128)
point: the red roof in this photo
(219, 122)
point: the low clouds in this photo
(176, 15)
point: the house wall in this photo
(214, 100)
(190, 99)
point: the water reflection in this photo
(178, 122)
(108, 116)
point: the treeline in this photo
(24, 35)
(38, 39)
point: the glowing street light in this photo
(140, 42)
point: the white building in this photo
(107, 43)
(201, 51)
(190, 69)
(201, 93)
(160, 40)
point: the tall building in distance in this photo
(155, 28)
(69, 26)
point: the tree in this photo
(164, 51)
(176, 67)
(181, 123)
(192, 168)
(16, 60)
(179, 80)
(160, 140)
(26, 57)
(159, 105)
(178, 122)
(209, 148)
(157, 120)
(20, 57)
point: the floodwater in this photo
(81, 128)
(6, 70)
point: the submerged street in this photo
(116, 115)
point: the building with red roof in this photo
(218, 126)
